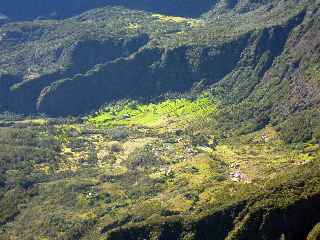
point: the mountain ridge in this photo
(160, 120)
(187, 27)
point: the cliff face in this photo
(231, 153)
(78, 64)
(147, 73)
(282, 88)
(154, 71)
(85, 54)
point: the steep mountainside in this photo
(160, 120)
(43, 59)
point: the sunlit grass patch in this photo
(179, 204)
(113, 189)
(175, 19)
(169, 112)
(43, 167)
(35, 121)
(134, 26)
(148, 208)
(70, 160)
(196, 171)
(169, 18)
(114, 171)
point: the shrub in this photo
(116, 147)
(200, 139)
(119, 133)
(300, 127)
(142, 158)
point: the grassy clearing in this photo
(34, 122)
(179, 111)
(134, 26)
(175, 19)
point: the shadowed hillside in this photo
(90, 61)
(160, 120)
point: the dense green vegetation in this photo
(157, 170)
(180, 111)
(188, 120)
(85, 55)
